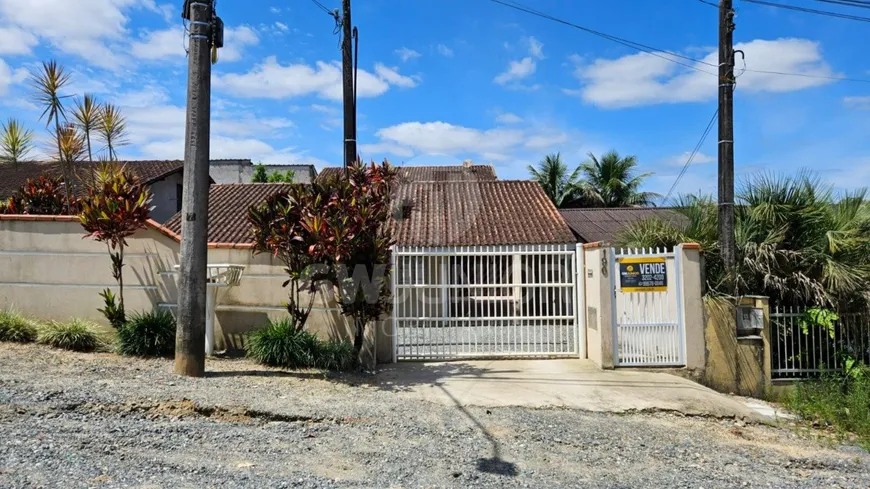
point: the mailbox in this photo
(750, 320)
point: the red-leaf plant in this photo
(336, 234)
(43, 195)
(114, 209)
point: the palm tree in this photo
(797, 241)
(611, 182)
(112, 127)
(87, 115)
(559, 185)
(48, 83)
(15, 141)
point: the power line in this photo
(709, 3)
(625, 42)
(693, 154)
(322, 7)
(848, 3)
(658, 52)
(811, 10)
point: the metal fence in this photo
(485, 301)
(799, 350)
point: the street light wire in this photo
(811, 10)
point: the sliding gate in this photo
(485, 301)
(648, 325)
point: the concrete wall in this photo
(48, 271)
(599, 303)
(165, 197)
(735, 364)
(241, 171)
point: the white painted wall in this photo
(164, 197)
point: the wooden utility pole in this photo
(348, 85)
(190, 335)
(726, 137)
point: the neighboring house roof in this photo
(478, 214)
(456, 173)
(15, 175)
(228, 210)
(604, 224)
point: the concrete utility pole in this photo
(190, 335)
(726, 136)
(348, 85)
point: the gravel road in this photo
(71, 420)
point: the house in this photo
(164, 178)
(467, 172)
(242, 171)
(594, 225)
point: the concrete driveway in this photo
(576, 384)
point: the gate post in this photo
(688, 255)
(599, 304)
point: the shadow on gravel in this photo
(269, 373)
(494, 464)
(404, 377)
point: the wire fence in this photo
(800, 350)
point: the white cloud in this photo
(377, 151)
(699, 159)
(10, 76)
(508, 118)
(643, 79)
(406, 54)
(160, 44)
(272, 80)
(444, 51)
(392, 76)
(236, 40)
(171, 43)
(16, 41)
(517, 70)
(92, 29)
(862, 102)
(546, 141)
(282, 26)
(536, 48)
(324, 109)
(448, 139)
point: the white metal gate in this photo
(648, 324)
(485, 301)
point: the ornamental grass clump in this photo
(75, 335)
(149, 334)
(16, 328)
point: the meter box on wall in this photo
(750, 320)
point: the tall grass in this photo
(75, 335)
(840, 403)
(16, 328)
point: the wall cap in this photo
(691, 246)
(37, 217)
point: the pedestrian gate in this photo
(648, 324)
(485, 301)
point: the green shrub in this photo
(76, 335)
(838, 401)
(15, 327)
(338, 355)
(148, 335)
(279, 344)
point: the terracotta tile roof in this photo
(475, 173)
(12, 177)
(228, 210)
(478, 213)
(605, 224)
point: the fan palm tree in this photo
(560, 185)
(612, 182)
(797, 241)
(48, 83)
(112, 128)
(15, 141)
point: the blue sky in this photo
(442, 81)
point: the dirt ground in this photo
(99, 420)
